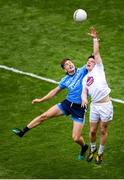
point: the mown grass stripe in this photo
(45, 79)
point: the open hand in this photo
(36, 101)
(93, 32)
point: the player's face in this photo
(90, 64)
(69, 67)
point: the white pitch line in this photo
(117, 100)
(28, 74)
(44, 79)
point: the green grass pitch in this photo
(34, 36)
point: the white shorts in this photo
(101, 111)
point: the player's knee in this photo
(93, 132)
(75, 138)
(103, 132)
(43, 117)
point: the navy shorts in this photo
(75, 110)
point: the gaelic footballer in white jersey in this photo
(101, 109)
(97, 87)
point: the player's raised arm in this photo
(51, 94)
(96, 51)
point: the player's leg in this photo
(76, 133)
(103, 133)
(52, 112)
(92, 134)
(106, 114)
(94, 122)
(103, 139)
(77, 137)
(92, 137)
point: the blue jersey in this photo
(74, 85)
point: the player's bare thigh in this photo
(52, 112)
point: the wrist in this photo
(40, 100)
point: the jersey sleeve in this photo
(99, 68)
(100, 65)
(62, 83)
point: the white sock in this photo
(101, 149)
(93, 146)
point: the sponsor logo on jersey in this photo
(90, 80)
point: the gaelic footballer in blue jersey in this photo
(70, 106)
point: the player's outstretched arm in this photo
(96, 51)
(50, 95)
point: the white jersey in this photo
(96, 84)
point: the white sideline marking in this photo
(117, 100)
(44, 79)
(28, 74)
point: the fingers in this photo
(93, 32)
(35, 101)
(84, 105)
(92, 28)
(89, 34)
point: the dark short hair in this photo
(63, 62)
(91, 56)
